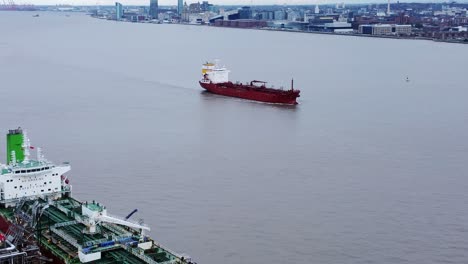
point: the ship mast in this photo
(292, 84)
(26, 145)
(40, 157)
(13, 158)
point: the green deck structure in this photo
(15, 144)
(58, 231)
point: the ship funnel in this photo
(15, 151)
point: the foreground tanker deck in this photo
(42, 222)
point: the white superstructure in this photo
(212, 73)
(31, 178)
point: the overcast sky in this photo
(174, 2)
(163, 2)
(216, 2)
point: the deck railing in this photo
(66, 237)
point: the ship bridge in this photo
(213, 73)
(23, 177)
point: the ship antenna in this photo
(292, 84)
(40, 157)
(13, 157)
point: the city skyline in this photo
(215, 2)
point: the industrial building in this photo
(385, 29)
(245, 12)
(241, 23)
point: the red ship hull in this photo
(252, 92)
(4, 224)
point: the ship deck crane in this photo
(130, 214)
(114, 220)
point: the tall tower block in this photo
(15, 144)
(388, 8)
(153, 9)
(180, 7)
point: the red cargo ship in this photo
(216, 80)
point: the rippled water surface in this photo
(368, 168)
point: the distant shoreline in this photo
(312, 32)
(368, 36)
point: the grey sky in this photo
(174, 2)
(216, 2)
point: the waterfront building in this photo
(265, 15)
(280, 15)
(118, 11)
(338, 26)
(367, 30)
(308, 17)
(328, 24)
(231, 16)
(245, 12)
(459, 29)
(135, 17)
(403, 29)
(185, 13)
(153, 11)
(206, 6)
(292, 15)
(317, 9)
(241, 23)
(195, 8)
(320, 18)
(385, 29)
(381, 29)
(213, 20)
